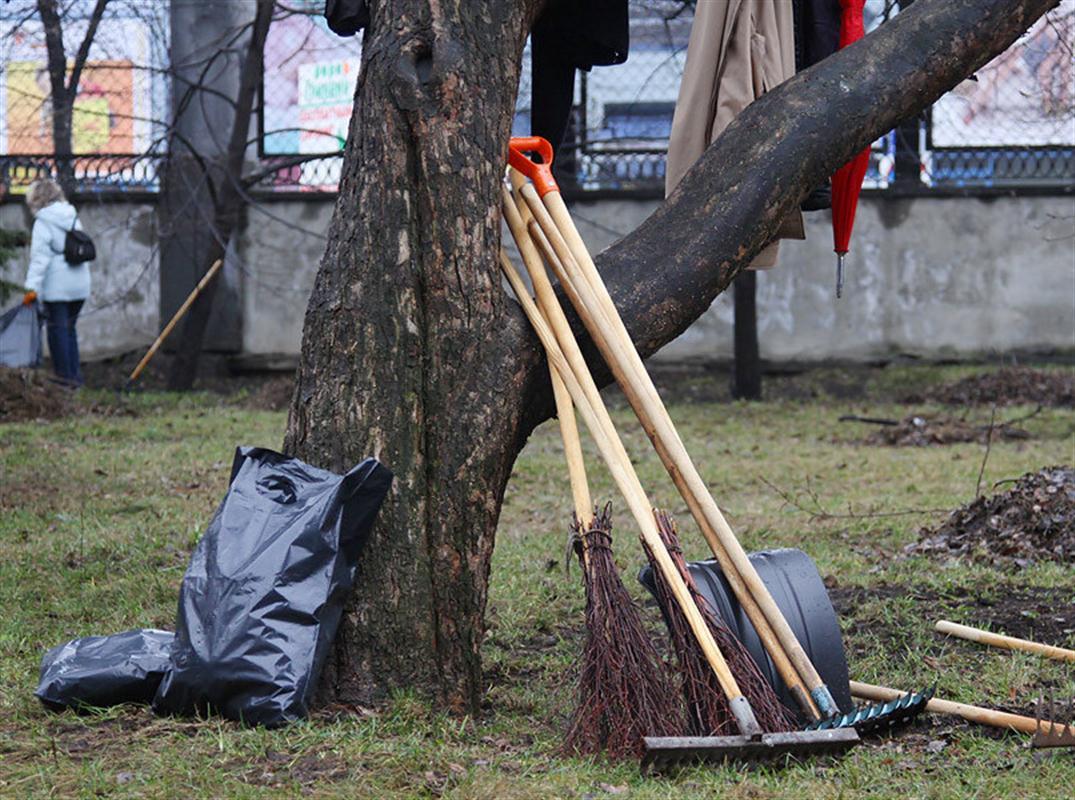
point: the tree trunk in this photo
(59, 99)
(746, 371)
(411, 352)
(229, 203)
(64, 90)
(407, 344)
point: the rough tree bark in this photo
(63, 86)
(411, 351)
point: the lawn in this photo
(99, 513)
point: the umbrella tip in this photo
(840, 275)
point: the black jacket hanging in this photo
(571, 35)
(346, 17)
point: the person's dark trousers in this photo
(63, 340)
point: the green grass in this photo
(98, 516)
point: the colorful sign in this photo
(326, 91)
(102, 117)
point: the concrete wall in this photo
(280, 249)
(934, 277)
(122, 312)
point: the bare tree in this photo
(64, 84)
(225, 188)
(413, 353)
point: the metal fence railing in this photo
(1010, 128)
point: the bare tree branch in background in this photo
(64, 88)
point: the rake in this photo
(566, 358)
(1044, 732)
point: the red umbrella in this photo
(847, 182)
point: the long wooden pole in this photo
(1006, 642)
(584, 394)
(599, 314)
(983, 716)
(153, 348)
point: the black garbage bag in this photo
(104, 670)
(20, 337)
(262, 597)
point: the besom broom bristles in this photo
(624, 691)
(708, 713)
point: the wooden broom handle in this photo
(588, 401)
(565, 413)
(576, 467)
(1006, 642)
(983, 716)
(153, 348)
(603, 321)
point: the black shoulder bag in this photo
(78, 247)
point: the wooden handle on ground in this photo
(1000, 640)
(983, 716)
(584, 393)
(587, 292)
(153, 348)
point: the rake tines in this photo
(879, 718)
(1049, 732)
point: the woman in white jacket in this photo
(61, 287)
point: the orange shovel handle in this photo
(540, 174)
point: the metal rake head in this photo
(1050, 733)
(663, 752)
(877, 719)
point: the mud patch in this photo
(27, 394)
(1032, 521)
(274, 394)
(278, 769)
(939, 429)
(1040, 614)
(1006, 386)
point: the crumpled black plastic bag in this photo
(100, 671)
(262, 597)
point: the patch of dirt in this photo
(264, 390)
(939, 429)
(273, 395)
(1032, 521)
(307, 768)
(1045, 615)
(27, 394)
(86, 741)
(1006, 386)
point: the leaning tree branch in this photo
(666, 274)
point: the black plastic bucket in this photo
(799, 592)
